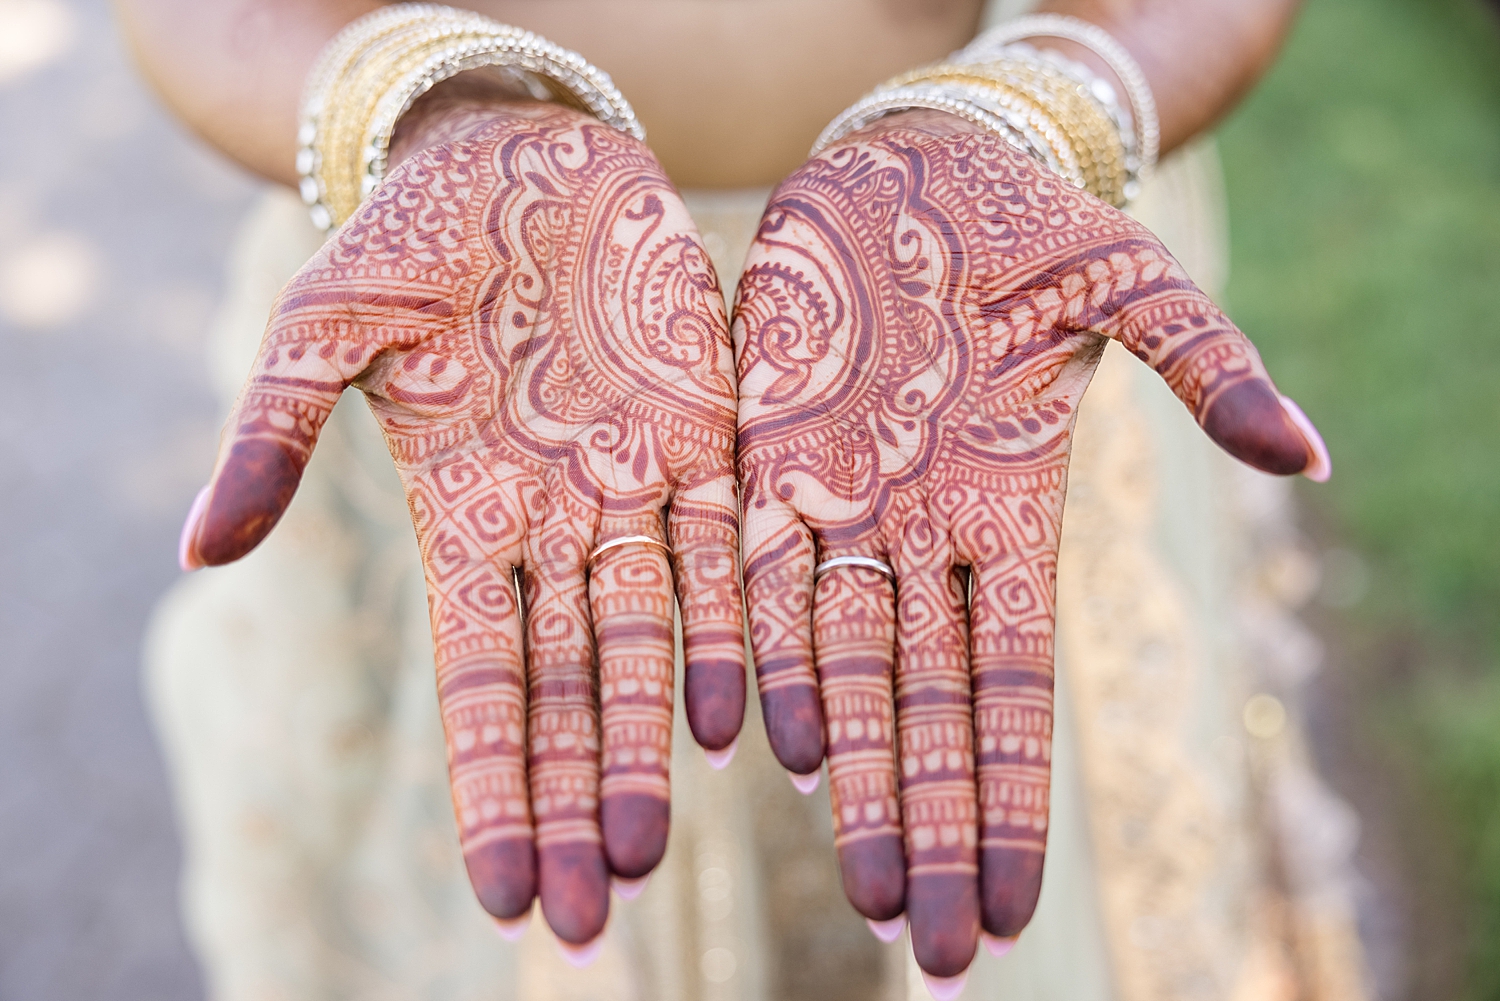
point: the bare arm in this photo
(233, 71)
(729, 96)
(1200, 56)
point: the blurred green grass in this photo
(1364, 184)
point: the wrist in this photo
(452, 110)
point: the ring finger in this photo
(630, 594)
(854, 634)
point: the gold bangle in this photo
(1083, 138)
(1095, 138)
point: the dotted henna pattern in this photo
(542, 337)
(919, 317)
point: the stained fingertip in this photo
(887, 931)
(794, 727)
(1322, 465)
(719, 760)
(714, 700)
(806, 784)
(873, 871)
(945, 988)
(574, 887)
(1010, 886)
(503, 874)
(249, 496)
(997, 946)
(635, 832)
(942, 911)
(581, 956)
(1249, 422)
(187, 541)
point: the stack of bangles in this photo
(372, 71)
(1041, 102)
(1046, 105)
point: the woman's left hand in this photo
(918, 319)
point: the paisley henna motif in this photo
(542, 337)
(919, 317)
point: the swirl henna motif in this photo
(918, 319)
(536, 326)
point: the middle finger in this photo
(854, 634)
(572, 877)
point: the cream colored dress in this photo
(294, 694)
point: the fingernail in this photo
(512, 929)
(945, 988)
(997, 946)
(720, 759)
(580, 956)
(1322, 465)
(190, 532)
(805, 783)
(887, 931)
(629, 889)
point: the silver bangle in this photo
(961, 102)
(510, 49)
(1147, 126)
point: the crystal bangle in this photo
(962, 102)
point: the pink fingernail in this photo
(887, 931)
(997, 946)
(720, 759)
(805, 783)
(945, 988)
(1322, 465)
(629, 889)
(190, 532)
(512, 929)
(581, 956)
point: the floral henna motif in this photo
(542, 337)
(919, 317)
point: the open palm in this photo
(535, 324)
(919, 316)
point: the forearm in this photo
(1200, 56)
(232, 71)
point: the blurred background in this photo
(1364, 187)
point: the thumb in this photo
(305, 361)
(1156, 311)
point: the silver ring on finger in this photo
(627, 540)
(863, 562)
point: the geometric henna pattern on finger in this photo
(916, 324)
(542, 338)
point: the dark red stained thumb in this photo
(1254, 424)
(243, 503)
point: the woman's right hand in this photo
(532, 317)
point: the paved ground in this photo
(113, 226)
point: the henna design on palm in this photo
(540, 333)
(919, 316)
